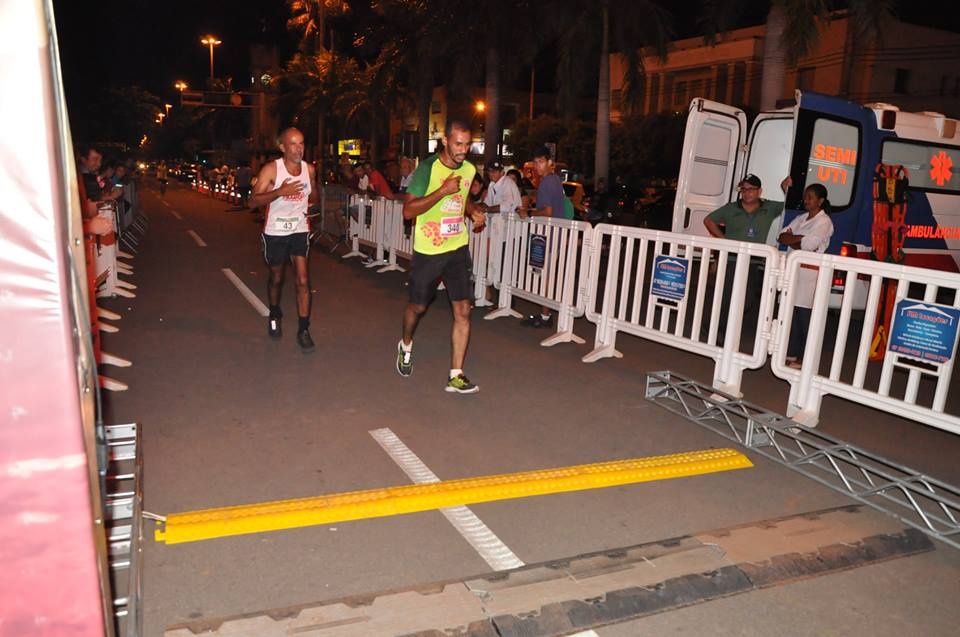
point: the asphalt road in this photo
(230, 416)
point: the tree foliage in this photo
(116, 114)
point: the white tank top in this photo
(288, 215)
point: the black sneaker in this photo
(305, 342)
(535, 320)
(273, 327)
(404, 361)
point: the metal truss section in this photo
(925, 503)
(123, 507)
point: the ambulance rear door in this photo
(711, 164)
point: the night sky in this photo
(152, 44)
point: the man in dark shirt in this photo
(549, 204)
(89, 160)
(550, 191)
(747, 219)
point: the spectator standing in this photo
(376, 182)
(550, 199)
(550, 191)
(477, 189)
(244, 176)
(162, 176)
(810, 232)
(747, 219)
(89, 160)
(503, 195)
(406, 173)
(363, 184)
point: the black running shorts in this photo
(454, 268)
(278, 250)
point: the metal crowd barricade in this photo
(544, 258)
(334, 219)
(674, 307)
(397, 234)
(367, 228)
(486, 251)
(105, 256)
(915, 385)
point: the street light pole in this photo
(210, 41)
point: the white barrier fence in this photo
(543, 260)
(913, 380)
(711, 297)
(367, 228)
(668, 288)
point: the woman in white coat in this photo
(811, 232)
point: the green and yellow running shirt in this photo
(442, 228)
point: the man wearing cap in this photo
(747, 219)
(502, 193)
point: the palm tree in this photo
(433, 36)
(311, 84)
(792, 31)
(309, 18)
(588, 30)
(370, 94)
(414, 28)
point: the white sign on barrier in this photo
(899, 384)
(633, 270)
(564, 247)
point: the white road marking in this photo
(246, 292)
(196, 237)
(474, 531)
(176, 214)
(586, 633)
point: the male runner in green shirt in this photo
(438, 198)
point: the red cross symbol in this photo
(940, 166)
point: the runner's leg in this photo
(411, 317)
(303, 286)
(275, 284)
(460, 334)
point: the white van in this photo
(837, 143)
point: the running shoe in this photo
(305, 342)
(404, 361)
(535, 320)
(460, 384)
(273, 327)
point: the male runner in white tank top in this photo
(285, 187)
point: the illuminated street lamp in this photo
(168, 107)
(180, 85)
(480, 106)
(210, 41)
(160, 117)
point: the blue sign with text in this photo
(538, 251)
(924, 331)
(670, 277)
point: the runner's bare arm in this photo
(416, 206)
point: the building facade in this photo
(915, 68)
